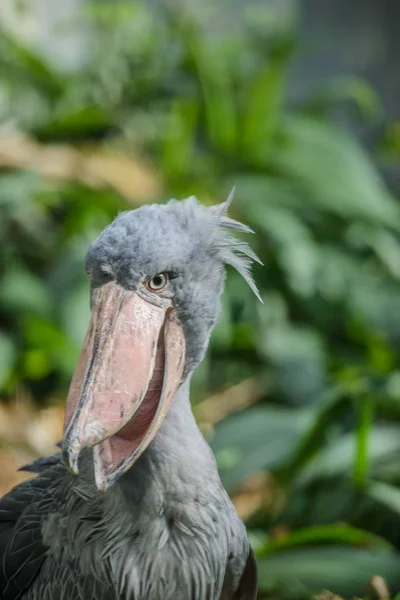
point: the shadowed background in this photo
(107, 105)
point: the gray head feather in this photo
(230, 250)
(234, 252)
(186, 239)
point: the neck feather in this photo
(178, 461)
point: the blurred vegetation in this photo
(304, 413)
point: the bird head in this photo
(156, 276)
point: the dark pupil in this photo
(158, 280)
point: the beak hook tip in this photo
(70, 458)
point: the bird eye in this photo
(158, 282)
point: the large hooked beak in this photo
(128, 372)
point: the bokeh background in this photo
(106, 105)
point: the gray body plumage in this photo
(167, 529)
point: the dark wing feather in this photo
(24, 559)
(42, 464)
(21, 547)
(248, 586)
(66, 582)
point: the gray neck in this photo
(178, 463)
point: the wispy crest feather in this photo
(232, 251)
(212, 224)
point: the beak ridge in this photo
(129, 369)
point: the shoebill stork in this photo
(133, 507)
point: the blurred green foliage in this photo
(206, 105)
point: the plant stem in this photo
(365, 412)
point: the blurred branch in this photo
(95, 168)
(328, 596)
(25, 434)
(234, 399)
(259, 490)
(377, 587)
(34, 431)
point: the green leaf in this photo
(298, 357)
(341, 569)
(334, 171)
(36, 364)
(75, 311)
(7, 357)
(20, 210)
(365, 409)
(46, 336)
(349, 87)
(178, 138)
(324, 534)
(21, 291)
(17, 192)
(385, 494)
(338, 457)
(296, 251)
(215, 83)
(261, 438)
(330, 410)
(263, 105)
(264, 191)
(83, 122)
(223, 331)
(17, 60)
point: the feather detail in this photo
(236, 253)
